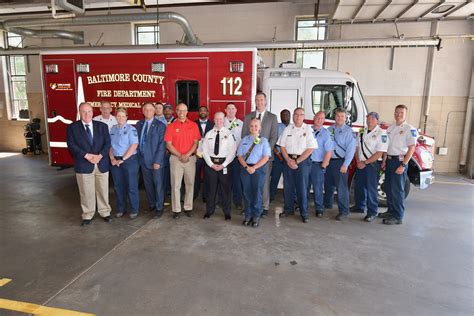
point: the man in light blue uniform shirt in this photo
(253, 153)
(278, 162)
(337, 172)
(124, 143)
(320, 160)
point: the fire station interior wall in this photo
(383, 87)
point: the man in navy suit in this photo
(204, 126)
(89, 144)
(151, 155)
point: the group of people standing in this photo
(242, 162)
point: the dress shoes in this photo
(189, 213)
(133, 215)
(108, 219)
(341, 217)
(370, 218)
(119, 214)
(305, 219)
(207, 216)
(284, 214)
(386, 214)
(247, 222)
(319, 214)
(264, 213)
(158, 213)
(256, 223)
(392, 221)
(228, 217)
(176, 215)
(86, 222)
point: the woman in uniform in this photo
(253, 154)
(124, 143)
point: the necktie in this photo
(89, 133)
(216, 144)
(259, 117)
(145, 132)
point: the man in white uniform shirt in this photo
(106, 116)
(218, 151)
(297, 144)
(232, 123)
(402, 138)
(371, 144)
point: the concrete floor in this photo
(197, 267)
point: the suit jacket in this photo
(209, 126)
(154, 148)
(78, 145)
(269, 127)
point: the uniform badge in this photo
(384, 138)
(304, 134)
(374, 136)
(413, 132)
(401, 132)
(225, 137)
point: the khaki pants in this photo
(179, 170)
(92, 185)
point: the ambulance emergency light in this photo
(82, 68)
(158, 67)
(236, 66)
(51, 69)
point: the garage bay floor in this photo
(195, 267)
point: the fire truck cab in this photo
(290, 86)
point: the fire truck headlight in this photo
(427, 159)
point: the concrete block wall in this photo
(383, 87)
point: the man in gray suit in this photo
(270, 132)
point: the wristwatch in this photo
(404, 164)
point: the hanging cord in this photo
(157, 34)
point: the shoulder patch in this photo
(384, 138)
(414, 132)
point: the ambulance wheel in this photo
(37, 152)
(24, 151)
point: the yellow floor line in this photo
(4, 281)
(35, 309)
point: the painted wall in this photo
(383, 87)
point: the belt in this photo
(393, 156)
(316, 161)
(251, 164)
(217, 161)
(118, 157)
(337, 158)
(294, 156)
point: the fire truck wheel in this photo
(24, 151)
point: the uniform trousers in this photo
(296, 182)
(214, 180)
(200, 164)
(395, 188)
(366, 183)
(94, 188)
(236, 168)
(277, 169)
(125, 179)
(253, 191)
(335, 180)
(316, 179)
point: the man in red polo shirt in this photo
(182, 137)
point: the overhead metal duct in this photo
(77, 37)
(190, 39)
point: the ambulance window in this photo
(188, 92)
(327, 98)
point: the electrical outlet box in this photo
(442, 151)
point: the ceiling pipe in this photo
(77, 37)
(191, 38)
(295, 45)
